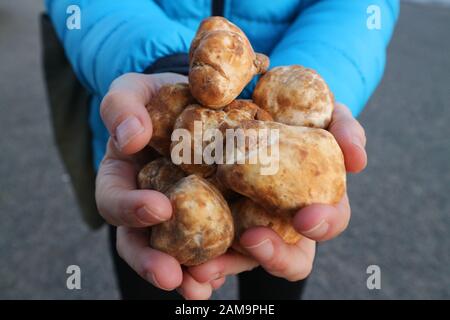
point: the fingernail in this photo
(317, 231)
(152, 279)
(127, 130)
(262, 251)
(148, 216)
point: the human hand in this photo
(317, 222)
(118, 199)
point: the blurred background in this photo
(401, 203)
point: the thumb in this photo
(124, 114)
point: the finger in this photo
(351, 138)
(191, 289)
(124, 114)
(119, 201)
(292, 262)
(158, 268)
(229, 263)
(123, 108)
(216, 284)
(323, 222)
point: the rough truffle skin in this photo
(164, 108)
(295, 95)
(222, 62)
(310, 170)
(248, 214)
(201, 227)
(159, 175)
(226, 118)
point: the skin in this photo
(122, 204)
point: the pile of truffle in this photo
(214, 203)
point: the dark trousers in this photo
(255, 284)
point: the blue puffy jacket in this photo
(330, 36)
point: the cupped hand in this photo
(323, 222)
(118, 199)
(317, 222)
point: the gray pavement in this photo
(401, 203)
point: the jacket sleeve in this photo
(332, 37)
(116, 37)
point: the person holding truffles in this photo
(303, 67)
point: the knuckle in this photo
(113, 167)
(101, 208)
(101, 203)
(108, 101)
(117, 81)
(113, 106)
(360, 130)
